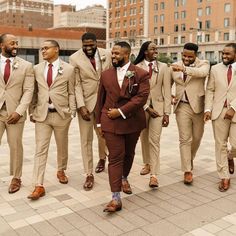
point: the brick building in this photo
(27, 13)
(171, 23)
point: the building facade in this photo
(171, 23)
(26, 14)
(91, 16)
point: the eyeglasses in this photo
(46, 48)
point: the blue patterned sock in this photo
(116, 196)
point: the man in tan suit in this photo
(16, 91)
(189, 77)
(89, 61)
(220, 107)
(52, 109)
(158, 108)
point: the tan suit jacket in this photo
(87, 79)
(61, 92)
(160, 88)
(17, 93)
(194, 84)
(218, 91)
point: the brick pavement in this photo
(173, 209)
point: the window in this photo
(208, 11)
(207, 24)
(226, 22)
(162, 17)
(183, 27)
(155, 30)
(176, 15)
(176, 3)
(162, 41)
(155, 19)
(141, 21)
(176, 28)
(227, 7)
(162, 6)
(183, 14)
(182, 39)
(199, 25)
(183, 2)
(207, 38)
(155, 41)
(125, 34)
(125, 13)
(175, 40)
(226, 36)
(141, 10)
(199, 1)
(199, 12)
(155, 7)
(124, 2)
(162, 29)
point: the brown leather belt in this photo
(184, 102)
(52, 110)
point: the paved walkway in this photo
(173, 209)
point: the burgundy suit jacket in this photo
(130, 98)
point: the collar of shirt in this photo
(55, 63)
(3, 59)
(124, 68)
(154, 63)
(233, 66)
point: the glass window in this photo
(162, 5)
(162, 29)
(176, 15)
(208, 24)
(176, 28)
(208, 11)
(207, 38)
(155, 7)
(199, 12)
(155, 19)
(176, 3)
(183, 14)
(175, 40)
(182, 39)
(226, 22)
(227, 7)
(162, 17)
(226, 36)
(183, 27)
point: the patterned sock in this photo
(124, 178)
(116, 196)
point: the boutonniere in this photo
(156, 69)
(60, 70)
(103, 58)
(15, 65)
(129, 74)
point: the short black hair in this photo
(53, 42)
(191, 47)
(123, 44)
(141, 54)
(231, 45)
(88, 35)
(3, 36)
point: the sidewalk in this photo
(173, 209)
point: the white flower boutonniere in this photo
(103, 58)
(15, 65)
(60, 71)
(129, 74)
(156, 69)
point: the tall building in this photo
(21, 13)
(91, 16)
(171, 23)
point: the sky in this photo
(81, 3)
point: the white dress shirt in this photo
(3, 63)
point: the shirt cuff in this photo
(207, 110)
(233, 107)
(145, 107)
(122, 114)
(98, 125)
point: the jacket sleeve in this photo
(210, 91)
(199, 72)
(71, 91)
(167, 90)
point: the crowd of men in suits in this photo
(121, 101)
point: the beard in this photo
(91, 53)
(226, 63)
(119, 63)
(9, 52)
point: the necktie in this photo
(185, 77)
(49, 75)
(7, 70)
(93, 62)
(150, 69)
(229, 74)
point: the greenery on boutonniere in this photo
(103, 58)
(129, 74)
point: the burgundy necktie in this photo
(229, 74)
(49, 75)
(93, 62)
(150, 69)
(7, 70)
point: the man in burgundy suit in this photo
(123, 92)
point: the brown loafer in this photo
(153, 183)
(145, 170)
(38, 192)
(100, 166)
(126, 187)
(89, 182)
(14, 186)
(231, 165)
(62, 177)
(113, 206)
(188, 177)
(224, 185)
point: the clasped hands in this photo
(228, 115)
(113, 113)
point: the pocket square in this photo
(135, 85)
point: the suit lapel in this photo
(86, 59)
(14, 67)
(126, 81)
(59, 73)
(40, 71)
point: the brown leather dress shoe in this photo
(100, 166)
(38, 192)
(145, 170)
(126, 187)
(89, 182)
(14, 186)
(224, 185)
(153, 183)
(231, 165)
(188, 177)
(62, 177)
(113, 206)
